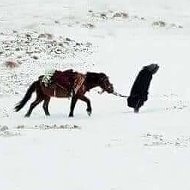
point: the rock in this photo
(35, 57)
(89, 25)
(103, 15)
(3, 128)
(11, 64)
(57, 22)
(159, 23)
(120, 15)
(68, 39)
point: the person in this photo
(139, 90)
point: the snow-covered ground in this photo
(114, 149)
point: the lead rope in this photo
(120, 95)
(114, 93)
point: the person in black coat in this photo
(139, 91)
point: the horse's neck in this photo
(90, 86)
(92, 81)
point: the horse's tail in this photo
(27, 96)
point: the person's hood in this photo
(153, 68)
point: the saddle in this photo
(67, 80)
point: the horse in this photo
(65, 84)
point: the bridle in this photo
(104, 80)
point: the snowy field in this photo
(114, 148)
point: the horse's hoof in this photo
(27, 115)
(70, 115)
(89, 113)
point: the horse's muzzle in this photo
(110, 89)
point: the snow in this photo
(114, 148)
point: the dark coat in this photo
(139, 90)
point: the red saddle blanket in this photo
(68, 79)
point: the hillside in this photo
(114, 148)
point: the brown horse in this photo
(65, 84)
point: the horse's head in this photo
(105, 83)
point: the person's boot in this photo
(136, 110)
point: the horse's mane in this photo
(65, 71)
(95, 75)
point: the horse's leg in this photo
(45, 105)
(72, 106)
(33, 105)
(89, 108)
